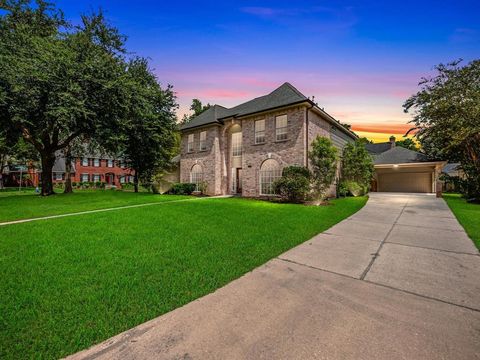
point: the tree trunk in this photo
(135, 181)
(68, 171)
(48, 159)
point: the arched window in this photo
(269, 172)
(196, 176)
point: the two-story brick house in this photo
(242, 150)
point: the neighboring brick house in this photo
(242, 150)
(92, 168)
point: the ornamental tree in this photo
(323, 158)
(357, 164)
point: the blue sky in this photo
(360, 59)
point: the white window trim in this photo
(281, 133)
(259, 133)
(203, 142)
(237, 149)
(197, 176)
(274, 175)
(190, 144)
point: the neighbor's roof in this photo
(284, 95)
(378, 148)
(59, 165)
(450, 167)
(400, 155)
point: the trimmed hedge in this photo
(182, 189)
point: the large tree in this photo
(57, 82)
(197, 107)
(446, 116)
(147, 140)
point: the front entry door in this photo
(239, 181)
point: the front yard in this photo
(24, 205)
(69, 283)
(467, 214)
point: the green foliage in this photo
(446, 115)
(147, 139)
(323, 158)
(351, 188)
(357, 165)
(407, 143)
(87, 285)
(58, 81)
(197, 107)
(182, 189)
(294, 185)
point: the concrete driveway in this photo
(400, 279)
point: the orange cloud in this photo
(382, 128)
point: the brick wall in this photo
(216, 161)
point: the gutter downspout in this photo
(306, 134)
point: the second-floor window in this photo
(281, 124)
(259, 131)
(110, 163)
(237, 144)
(203, 140)
(84, 161)
(190, 143)
(96, 162)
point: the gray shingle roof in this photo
(399, 155)
(378, 148)
(282, 96)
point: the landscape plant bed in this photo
(68, 283)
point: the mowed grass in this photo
(16, 206)
(69, 283)
(467, 214)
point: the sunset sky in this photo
(360, 59)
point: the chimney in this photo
(392, 142)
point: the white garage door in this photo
(405, 182)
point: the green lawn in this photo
(28, 205)
(467, 214)
(69, 283)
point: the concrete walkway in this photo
(400, 279)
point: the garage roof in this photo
(400, 155)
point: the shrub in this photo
(323, 157)
(74, 184)
(294, 185)
(98, 184)
(357, 165)
(351, 188)
(202, 187)
(182, 189)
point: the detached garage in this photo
(401, 170)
